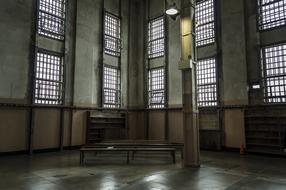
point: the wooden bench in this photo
(177, 146)
(127, 150)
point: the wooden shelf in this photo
(107, 122)
(108, 125)
(260, 144)
(262, 138)
(115, 117)
(266, 151)
(265, 116)
(263, 123)
(95, 128)
(264, 131)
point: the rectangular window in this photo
(156, 88)
(49, 78)
(51, 18)
(271, 13)
(205, 22)
(206, 82)
(156, 38)
(112, 41)
(274, 73)
(111, 87)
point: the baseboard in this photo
(230, 149)
(46, 150)
(22, 152)
(211, 149)
(76, 147)
(13, 153)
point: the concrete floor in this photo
(219, 170)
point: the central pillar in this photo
(187, 65)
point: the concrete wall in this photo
(236, 48)
(83, 59)
(136, 56)
(88, 53)
(234, 53)
(255, 40)
(16, 31)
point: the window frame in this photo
(118, 91)
(46, 33)
(259, 25)
(118, 38)
(161, 105)
(216, 83)
(214, 24)
(149, 41)
(264, 76)
(62, 77)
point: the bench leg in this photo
(81, 159)
(174, 156)
(182, 154)
(127, 157)
(133, 154)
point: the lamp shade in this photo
(172, 10)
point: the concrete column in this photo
(187, 65)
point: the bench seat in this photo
(127, 150)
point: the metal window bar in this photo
(156, 88)
(271, 13)
(49, 78)
(206, 82)
(156, 38)
(112, 36)
(205, 22)
(274, 73)
(51, 18)
(111, 87)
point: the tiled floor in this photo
(219, 170)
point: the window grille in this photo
(112, 41)
(271, 13)
(51, 18)
(274, 73)
(156, 88)
(206, 82)
(156, 38)
(205, 22)
(111, 87)
(49, 78)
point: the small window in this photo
(111, 87)
(271, 13)
(206, 82)
(156, 88)
(205, 25)
(274, 73)
(51, 18)
(112, 41)
(156, 38)
(49, 78)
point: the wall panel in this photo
(175, 126)
(78, 128)
(156, 125)
(234, 128)
(46, 129)
(13, 130)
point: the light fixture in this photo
(173, 11)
